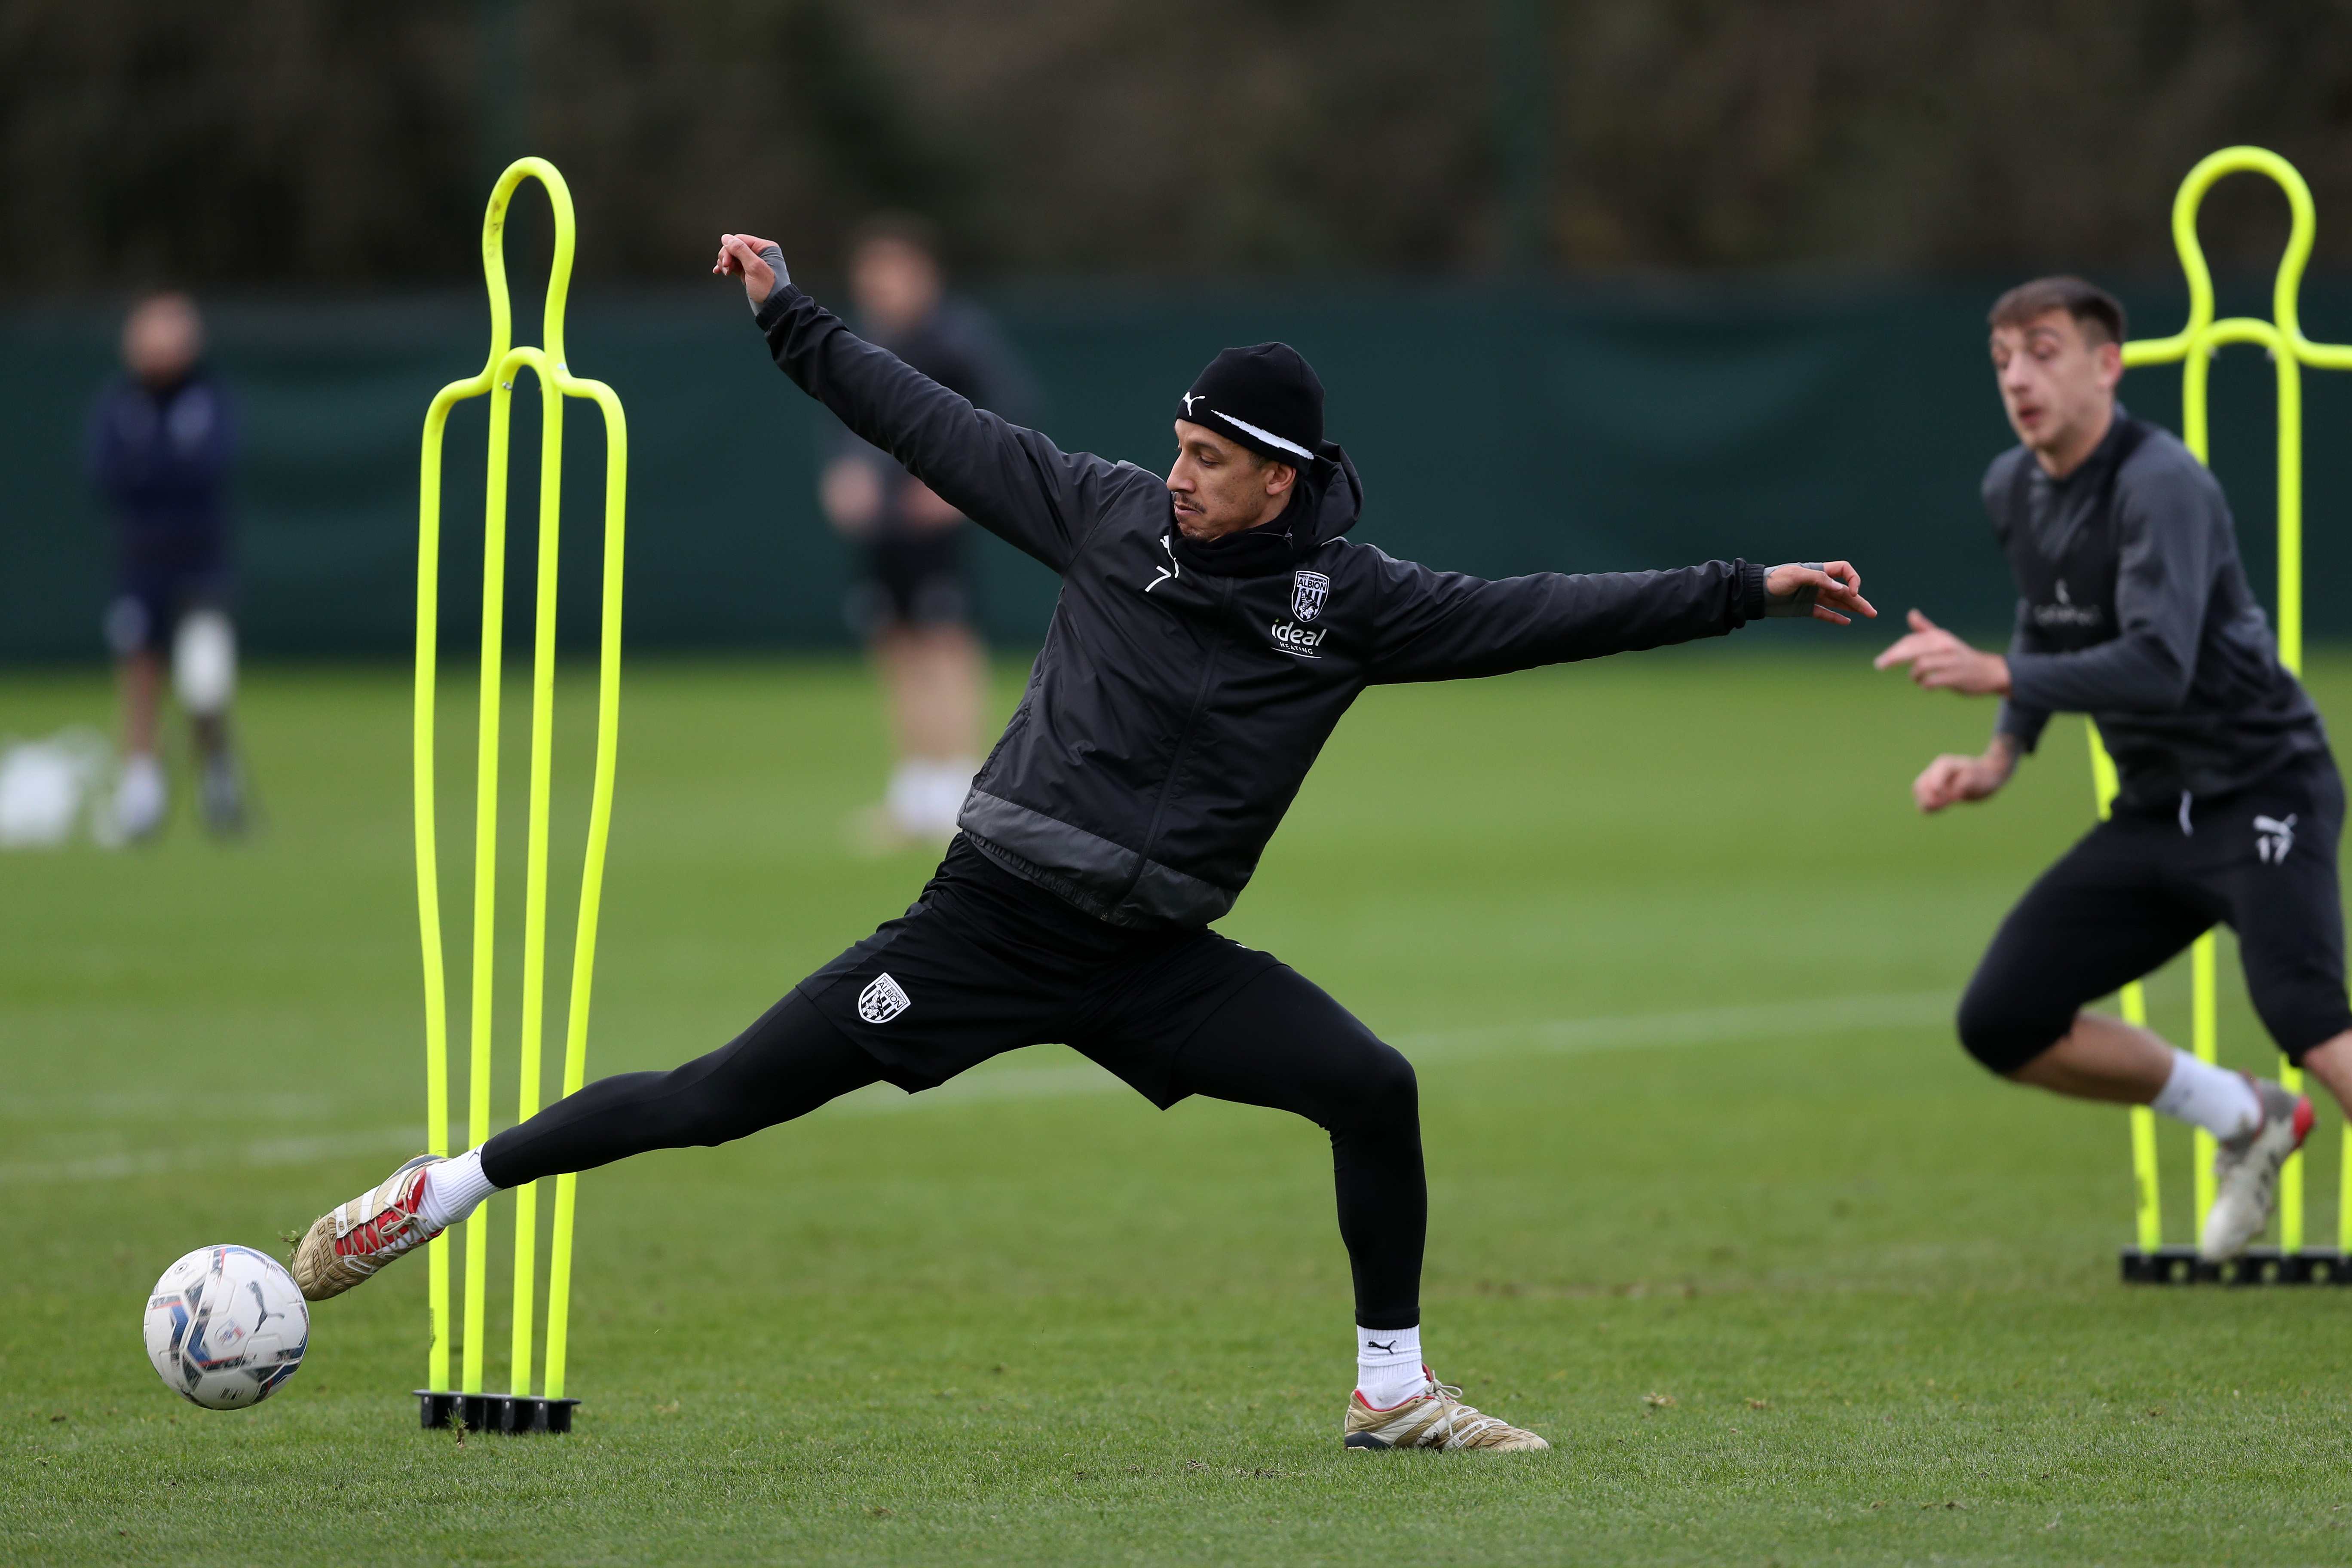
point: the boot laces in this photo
(1464, 1424)
(390, 1224)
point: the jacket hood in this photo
(1335, 493)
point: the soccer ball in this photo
(225, 1326)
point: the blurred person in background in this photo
(911, 604)
(161, 444)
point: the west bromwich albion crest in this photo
(882, 1000)
(1308, 592)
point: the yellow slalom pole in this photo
(556, 383)
(2195, 345)
(534, 927)
(2204, 1039)
(428, 882)
(2147, 1185)
(485, 868)
(592, 878)
(2289, 369)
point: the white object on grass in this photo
(45, 785)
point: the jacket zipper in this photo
(1175, 762)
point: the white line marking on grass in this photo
(1547, 1037)
(172, 1105)
(1703, 1026)
(215, 1156)
(1828, 1016)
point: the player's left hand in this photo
(1835, 582)
(1940, 661)
(738, 256)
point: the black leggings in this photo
(1278, 1042)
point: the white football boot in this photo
(2246, 1170)
(352, 1241)
(1435, 1418)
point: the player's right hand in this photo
(1951, 779)
(738, 256)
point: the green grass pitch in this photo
(1718, 1204)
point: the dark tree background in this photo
(266, 143)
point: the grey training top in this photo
(2133, 607)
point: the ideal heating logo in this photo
(1292, 638)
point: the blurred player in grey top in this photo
(2133, 607)
(161, 444)
(911, 603)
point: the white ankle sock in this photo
(454, 1189)
(2221, 1102)
(908, 798)
(1388, 1366)
(950, 781)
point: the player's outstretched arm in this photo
(1443, 625)
(1012, 481)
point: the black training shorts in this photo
(911, 577)
(2146, 883)
(986, 962)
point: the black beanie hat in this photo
(1266, 397)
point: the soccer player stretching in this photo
(2132, 607)
(1212, 630)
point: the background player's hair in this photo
(2099, 313)
(912, 230)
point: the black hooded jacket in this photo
(1184, 689)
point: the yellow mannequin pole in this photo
(2147, 1186)
(592, 879)
(2194, 346)
(534, 922)
(556, 383)
(485, 871)
(2205, 1040)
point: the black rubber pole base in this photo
(2259, 1266)
(493, 1411)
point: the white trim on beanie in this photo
(1268, 437)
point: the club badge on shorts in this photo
(882, 1000)
(1308, 592)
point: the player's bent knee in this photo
(2003, 1036)
(2302, 1011)
(1387, 1088)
